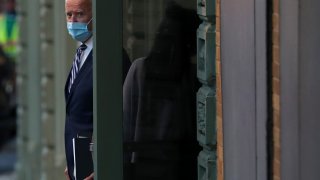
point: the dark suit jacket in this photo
(79, 108)
(159, 121)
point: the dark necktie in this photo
(76, 64)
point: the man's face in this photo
(79, 11)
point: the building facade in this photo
(256, 105)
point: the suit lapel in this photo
(66, 92)
(82, 73)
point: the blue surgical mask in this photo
(79, 31)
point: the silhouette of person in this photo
(160, 103)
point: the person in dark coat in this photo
(159, 103)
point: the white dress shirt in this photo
(87, 51)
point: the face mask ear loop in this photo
(89, 22)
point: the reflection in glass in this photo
(159, 92)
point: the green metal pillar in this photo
(107, 82)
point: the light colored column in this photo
(57, 50)
(43, 64)
(47, 88)
(28, 80)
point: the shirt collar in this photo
(89, 43)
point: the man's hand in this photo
(66, 173)
(89, 177)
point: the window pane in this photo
(159, 91)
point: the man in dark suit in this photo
(78, 88)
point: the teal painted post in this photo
(107, 91)
(206, 96)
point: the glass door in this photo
(159, 89)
